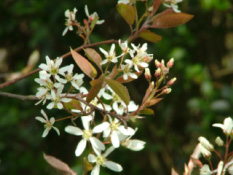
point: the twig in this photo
(20, 97)
(8, 83)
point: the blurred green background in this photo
(202, 95)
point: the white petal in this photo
(50, 105)
(52, 120)
(96, 170)
(46, 131)
(103, 51)
(74, 130)
(126, 131)
(97, 143)
(91, 158)
(57, 130)
(115, 139)
(66, 100)
(107, 132)
(86, 122)
(112, 49)
(86, 11)
(42, 120)
(113, 166)
(80, 147)
(100, 128)
(109, 150)
(59, 105)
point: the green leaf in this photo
(84, 64)
(150, 36)
(168, 19)
(73, 104)
(146, 111)
(119, 89)
(96, 86)
(127, 12)
(94, 57)
(153, 102)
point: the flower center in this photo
(48, 124)
(116, 97)
(87, 134)
(114, 126)
(100, 160)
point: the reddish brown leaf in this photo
(94, 57)
(150, 36)
(148, 92)
(127, 12)
(84, 64)
(156, 5)
(58, 164)
(168, 19)
(96, 86)
(153, 102)
(119, 89)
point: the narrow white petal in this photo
(59, 105)
(57, 130)
(50, 105)
(107, 132)
(115, 139)
(80, 147)
(103, 51)
(74, 130)
(42, 120)
(91, 158)
(100, 128)
(97, 143)
(126, 131)
(113, 166)
(86, 122)
(86, 11)
(52, 120)
(96, 170)
(46, 131)
(109, 150)
(112, 49)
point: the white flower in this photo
(114, 129)
(52, 67)
(76, 80)
(226, 126)
(205, 143)
(57, 99)
(124, 46)
(110, 56)
(70, 20)
(92, 16)
(134, 144)
(48, 123)
(172, 4)
(127, 71)
(100, 160)
(205, 170)
(205, 152)
(87, 135)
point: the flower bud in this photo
(167, 91)
(147, 74)
(157, 63)
(205, 170)
(219, 141)
(206, 153)
(170, 63)
(205, 143)
(135, 145)
(171, 82)
(220, 168)
(158, 73)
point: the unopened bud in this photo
(205, 152)
(219, 141)
(167, 91)
(170, 63)
(158, 72)
(147, 74)
(220, 168)
(171, 82)
(162, 63)
(205, 143)
(157, 63)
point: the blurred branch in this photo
(20, 97)
(8, 83)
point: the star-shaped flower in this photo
(48, 123)
(70, 20)
(92, 16)
(100, 160)
(227, 125)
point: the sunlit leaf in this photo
(146, 111)
(58, 164)
(94, 56)
(96, 86)
(84, 64)
(150, 36)
(127, 12)
(87, 165)
(119, 89)
(169, 19)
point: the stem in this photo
(20, 97)
(8, 83)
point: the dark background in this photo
(202, 95)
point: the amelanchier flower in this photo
(172, 4)
(70, 20)
(113, 129)
(48, 123)
(127, 72)
(92, 16)
(100, 160)
(227, 125)
(87, 135)
(110, 56)
(205, 170)
(124, 46)
(52, 67)
(57, 98)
